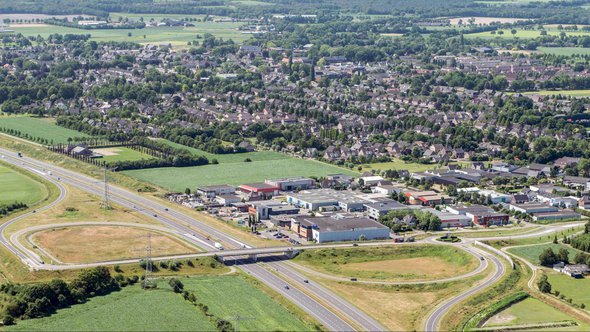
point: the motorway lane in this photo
(162, 213)
(61, 196)
(368, 323)
(314, 308)
(433, 321)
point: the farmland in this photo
(235, 173)
(523, 34)
(232, 157)
(17, 187)
(39, 127)
(121, 154)
(531, 253)
(528, 311)
(131, 309)
(391, 263)
(484, 20)
(570, 93)
(565, 50)
(576, 289)
(228, 296)
(177, 36)
(399, 164)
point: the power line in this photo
(237, 319)
(106, 199)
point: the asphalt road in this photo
(434, 319)
(207, 235)
(177, 221)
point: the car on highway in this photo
(355, 244)
(286, 286)
(306, 281)
(481, 258)
(352, 279)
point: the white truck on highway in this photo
(218, 246)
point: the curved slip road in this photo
(14, 238)
(483, 264)
(177, 221)
(434, 319)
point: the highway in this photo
(340, 316)
(177, 221)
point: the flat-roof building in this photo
(381, 208)
(292, 183)
(533, 208)
(258, 191)
(331, 229)
(212, 191)
(319, 198)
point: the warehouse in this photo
(333, 229)
(324, 198)
(291, 184)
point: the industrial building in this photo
(338, 228)
(291, 184)
(326, 198)
(378, 209)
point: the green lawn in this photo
(399, 164)
(565, 50)
(228, 296)
(131, 309)
(124, 154)
(39, 127)
(19, 187)
(233, 157)
(177, 36)
(528, 311)
(531, 253)
(179, 178)
(576, 289)
(417, 262)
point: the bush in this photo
(176, 285)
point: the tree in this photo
(547, 257)
(176, 285)
(544, 285)
(563, 255)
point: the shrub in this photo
(176, 285)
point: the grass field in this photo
(399, 164)
(131, 309)
(528, 311)
(101, 243)
(228, 296)
(398, 308)
(231, 157)
(121, 154)
(177, 36)
(565, 50)
(524, 34)
(419, 262)
(531, 253)
(17, 187)
(576, 289)
(572, 93)
(236, 173)
(39, 127)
